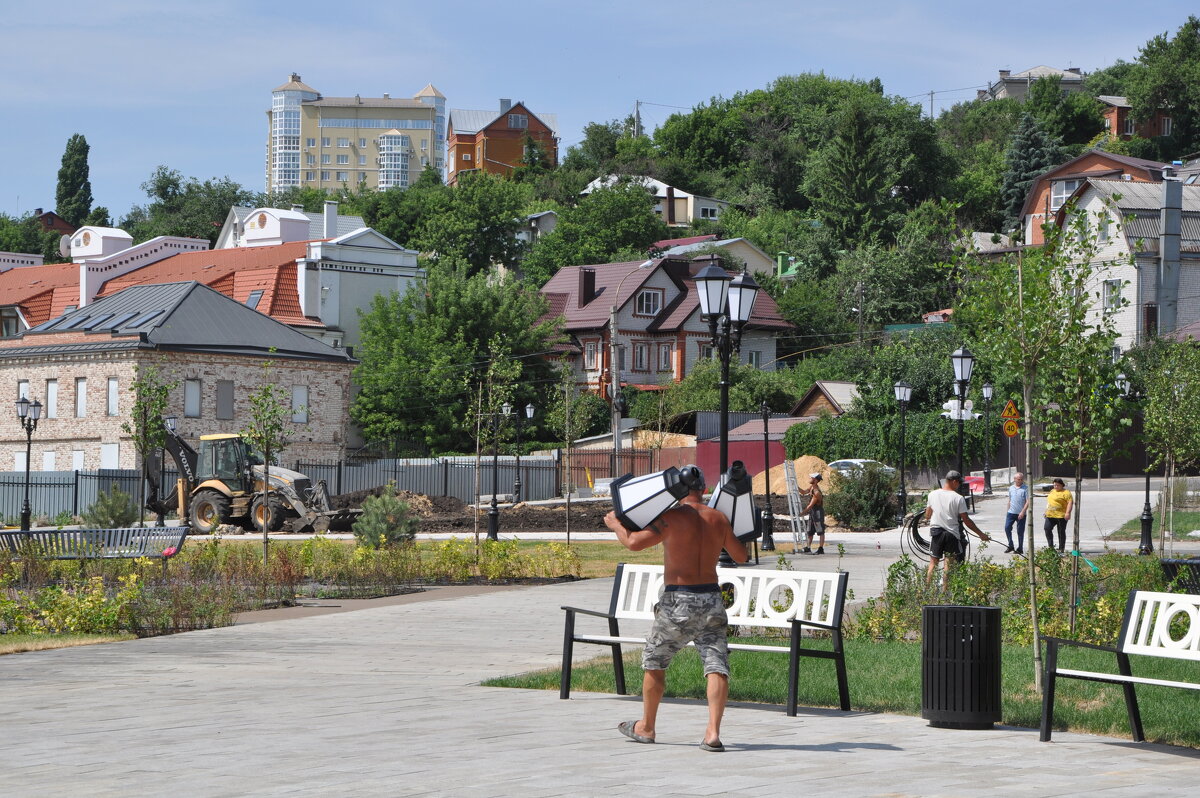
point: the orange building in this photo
(1052, 189)
(1119, 122)
(496, 141)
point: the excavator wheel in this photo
(209, 510)
(273, 511)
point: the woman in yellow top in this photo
(1058, 511)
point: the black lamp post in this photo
(28, 414)
(1134, 395)
(726, 305)
(768, 537)
(520, 423)
(963, 362)
(903, 397)
(493, 526)
(988, 392)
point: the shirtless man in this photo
(816, 514)
(691, 609)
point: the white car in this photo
(854, 466)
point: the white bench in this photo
(794, 600)
(1145, 630)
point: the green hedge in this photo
(930, 439)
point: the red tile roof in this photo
(40, 291)
(667, 243)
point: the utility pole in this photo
(859, 294)
(637, 118)
(614, 388)
(930, 106)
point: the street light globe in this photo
(964, 363)
(171, 422)
(712, 286)
(529, 410)
(903, 392)
(506, 409)
(988, 391)
(743, 291)
(35, 410)
(1123, 384)
(22, 407)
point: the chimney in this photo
(295, 78)
(1074, 70)
(670, 203)
(37, 211)
(1170, 221)
(387, 96)
(587, 286)
(505, 104)
(1004, 73)
(297, 207)
(331, 218)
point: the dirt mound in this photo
(587, 517)
(804, 466)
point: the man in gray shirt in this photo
(947, 515)
(1018, 508)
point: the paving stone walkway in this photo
(385, 702)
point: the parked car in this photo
(853, 466)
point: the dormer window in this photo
(1061, 190)
(649, 302)
(518, 121)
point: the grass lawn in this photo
(15, 644)
(886, 677)
(1185, 522)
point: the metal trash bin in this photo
(960, 666)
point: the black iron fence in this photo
(52, 493)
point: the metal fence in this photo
(54, 492)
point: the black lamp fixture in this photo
(988, 393)
(1133, 394)
(734, 499)
(964, 363)
(521, 421)
(639, 501)
(28, 414)
(903, 393)
(768, 538)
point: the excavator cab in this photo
(226, 458)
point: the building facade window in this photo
(589, 355)
(22, 389)
(310, 160)
(225, 399)
(1128, 126)
(325, 160)
(362, 177)
(641, 357)
(112, 403)
(343, 160)
(706, 352)
(1167, 125)
(754, 358)
(80, 397)
(10, 322)
(362, 160)
(51, 399)
(324, 141)
(191, 398)
(649, 302)
(362, 142)
(1061, 190)
(1112, 295)
(708, 213)
(310, 142)
(77, 459)
(343, 176)
(310, 175)
(324, 175)
(48, 461)
(518, 121)
(664, 357)
(343, 142)
(466, 156)
(300, 404)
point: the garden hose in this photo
(915, 544)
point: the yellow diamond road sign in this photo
(1010, 410)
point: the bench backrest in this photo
(82, 543)
(1149, 617)
(760, 598)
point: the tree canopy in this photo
(73, 197)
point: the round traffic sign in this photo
(1010, 428)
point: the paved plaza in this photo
(386, 702)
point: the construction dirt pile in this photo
(804, 466)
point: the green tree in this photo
(1073, 118)
(182, 206)
(1030, 153)
(597, 150)
(475, 223)
(399, 213)
(145, 427)
(73, 197)
(1112, 80)
(1169, 78)
(24, 234)
(976, 135)
(1170, 380)
(268, 432)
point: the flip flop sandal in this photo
(715, 747)
(627, 728)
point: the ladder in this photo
(795, 507)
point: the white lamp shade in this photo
(22, 407)
(35, 410)
(988, 391)
(639, 501)
(964, 363)
(903, 392)
(1123, 384)
(712, 286)
(171, 422)
(734, 499)
(529, 411)
(506, 408)
(743, 291)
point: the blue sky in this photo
(186, 84)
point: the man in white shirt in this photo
(947, 515)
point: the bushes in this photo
(929, 439)
(385, 521)
(112, 510)
(864, 501)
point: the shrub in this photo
(864, 500)
(112, 510)
(385, 521)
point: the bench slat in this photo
(83, 544)
(1117, 678)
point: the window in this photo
(343, 142)
(77, 459)
(1128, 126)
(22, 389)
(362, 177)
(589, 355)
(754, 358)
(112, 404)
(708, 213)
(253, 300)
(641, 357)
(324, 141)
(343, 160)
(1167, 125)
(664, 357)
(1112, 295)
(706, 352)
(310, 160)
(362, 160)
(110, 455)
(310, 175)
(324, 175)
(18, 461)
(191, 398)
(1116, 355)
(300, 404)
(310, 142)
(649, 302)
(1102, 227)
(1060, 190)
(48, 461)
(362, 142)
(51, 399)
(80, 397)
(466, 156)
(11, 322)
(225, 399)
(518, 121)
(620, 358)
(343, 176)
(325, 159)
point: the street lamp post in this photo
(726, 305)
(988, 392)
(493, 514)
(1134, 395)
(28, 414)
(520, 423)
(768, 538)
(903, 397)
(963, 362)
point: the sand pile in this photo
(804, 466)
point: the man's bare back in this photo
(692, 536)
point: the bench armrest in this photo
(1062, 641)
(816, 624)
(595, 613)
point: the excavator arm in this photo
(185, 458)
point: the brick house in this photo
(660, 334)
(1052, 188)
(1120, 124)
(81, 364)
(676, 207)
(495, 141)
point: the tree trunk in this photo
(1027, 398)
(266, 506)
(1075, 543)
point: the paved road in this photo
(385, 702)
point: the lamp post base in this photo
(493, 528)
(725, 561)
(26, 515)
(1146, 545)
(987, 482)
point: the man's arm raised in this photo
(634, 541)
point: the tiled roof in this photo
(295, 84)
(40, 290)
(467, 121)
(776, 427)
(1044, 71)
(667, 243)
(430, 91)
(1113, 99)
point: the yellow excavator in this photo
(223, 483)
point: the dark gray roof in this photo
(185, 316)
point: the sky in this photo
(187, 84)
